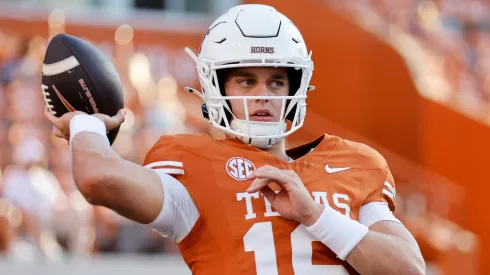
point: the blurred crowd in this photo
(42, 214)
(456, 32)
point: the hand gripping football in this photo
(77, 76)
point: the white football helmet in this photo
(253, 36)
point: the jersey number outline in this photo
(260, 240)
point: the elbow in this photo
(420, 268)
(92, 175)
(92, 183)
(414, 268)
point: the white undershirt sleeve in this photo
(374, 212)
(179, 213)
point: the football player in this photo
(245, 205)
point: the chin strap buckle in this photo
(205, 112)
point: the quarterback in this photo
(245, 204)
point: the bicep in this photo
(147, 195)
(131, 190)
(106, 179)
(154, 198)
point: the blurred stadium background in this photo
(409, 77)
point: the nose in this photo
(261, 89)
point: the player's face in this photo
(257, 81)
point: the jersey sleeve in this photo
(166, 156)
(379, 186)
(374, 212)
(179, 213)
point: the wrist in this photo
(314, 215)
(87, 123)
(338, 232)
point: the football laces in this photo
(47, 100)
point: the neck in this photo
(278, 150)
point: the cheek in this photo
(284, 91)
(276, 107)
(236, 105)
(237, 108)
(278, 102)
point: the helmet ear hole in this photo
(204, 68)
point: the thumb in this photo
(120, 117)
(116, 120)
(112, 122)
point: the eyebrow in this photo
(280, 76)
(240, 73)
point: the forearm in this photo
(91, 157)
(92, 154)
(106, 179)
(384, 248)
(379, 253)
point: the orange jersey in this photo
(240, 233)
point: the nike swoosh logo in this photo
(335, 170)
(63, 100)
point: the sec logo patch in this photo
(239, 168)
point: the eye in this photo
(245, 82)
(276, 84)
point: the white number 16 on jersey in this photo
(260, 240)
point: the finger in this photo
(269, 168)
(258, 184)
(52, 118)
(122, 115)
(46, 110)
(268, 193)
(57, 132)
(279, 176)
(114, 121)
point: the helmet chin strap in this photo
(256, 129)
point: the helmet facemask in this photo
(211, 69)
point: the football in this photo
(76, 76)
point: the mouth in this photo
(262, 115)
